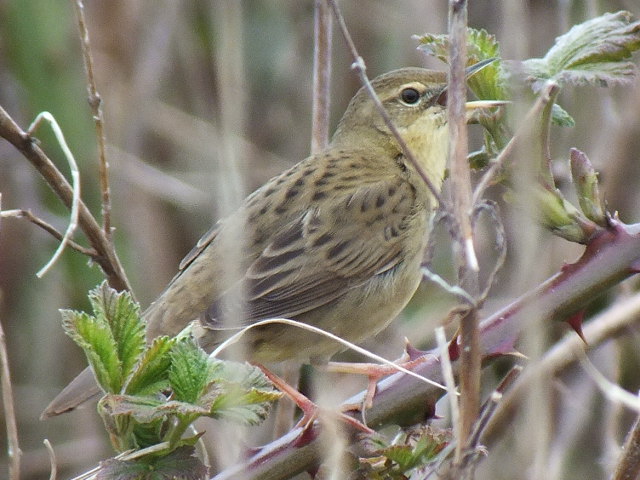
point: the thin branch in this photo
(605, 263)
(95, 102)
(548, 92)
(608, 324)
(75, 175)
(359, 66)
(52, 460)
(25, 144)
(462, 211)
(628, 465)
(28, 215)
(322, 39)
(9, 410)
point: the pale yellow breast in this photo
(428, 140)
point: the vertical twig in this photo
(95, 102)
(462, 207)
(359, 66)
(322, 40)
(9, 409)
(628, 467)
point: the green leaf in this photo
(560, 117)
(591, 53)
(151, 374)
(122, 314)
(149, 409)
(191, 370)
(425, 450)
(489, 82)
(243, 394)
(94, 336)
(180, 464)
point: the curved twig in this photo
(106, 256)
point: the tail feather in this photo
(81, 389)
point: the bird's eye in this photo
(410, 96)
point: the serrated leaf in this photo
(191, 371)
(489, 82)
(591, 53)
(150, 409)
(122, 314)
(244, 394)
(142, 409)
(560, 117)
(422, 452)
(151, 374)
(94, 336)
(180, 464)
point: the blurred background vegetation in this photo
(173, 76)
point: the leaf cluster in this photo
(154, 392)
(595, 52)
(408, 453)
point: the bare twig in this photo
(605, 263)
(548, 92)
(52, 460)
(449, 379)
(75, 175)
(608, 324)
(9, 410)
(322, 36)
(25, 144)
(359, 66)
(491, 209)
(95, 102)
(628, 466)
(491, 405)
(462, 196)
(28, 215)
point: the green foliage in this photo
(109, 338)
(181, 464)
(407, 454)
(488, 83)
(592, 53)
(155, 392)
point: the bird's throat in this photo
(428, 140)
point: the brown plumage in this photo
(335, 241)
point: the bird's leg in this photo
(310, 411)
(285, 410)
(374, 372)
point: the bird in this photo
(336, 241)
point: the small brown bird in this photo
(336, 241)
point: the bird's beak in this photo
(476, 67)
(476, 104)
(480, 104)
(474, 109)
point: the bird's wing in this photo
(203, 243)
(324, 252)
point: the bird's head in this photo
(416, 101)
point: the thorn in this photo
(454, 348)
(575, 322)
(412, 352)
